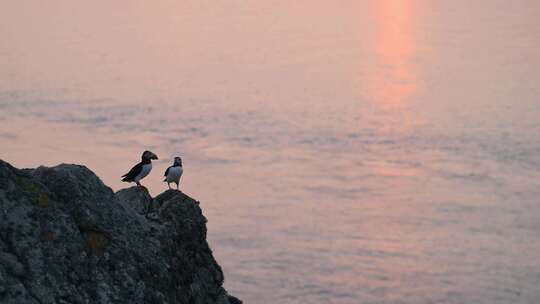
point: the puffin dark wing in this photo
(128, 177)
(167, 171)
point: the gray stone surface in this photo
(65, 237)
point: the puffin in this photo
(140, 170)
(174, 172)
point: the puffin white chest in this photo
(174, 174)
(146, 168)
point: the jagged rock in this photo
(65, 237)
(136, 198)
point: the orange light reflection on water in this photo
(395, 50)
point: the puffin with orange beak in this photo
(140, 170)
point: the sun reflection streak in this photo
(395, 50)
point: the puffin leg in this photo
(169, 184)
(138, 184)
(177, 187)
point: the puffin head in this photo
(178, 161)
(148, 155)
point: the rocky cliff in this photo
(65, 237)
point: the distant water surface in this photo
(343, 151)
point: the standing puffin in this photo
(174, 172)
(141, 169)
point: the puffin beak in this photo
(154, 157)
